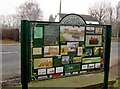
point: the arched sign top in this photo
(72, 19)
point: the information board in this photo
(66, 50)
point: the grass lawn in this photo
(117, 84)
(7, 41)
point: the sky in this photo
(49, 7)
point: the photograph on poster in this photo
(59, 69)
(80, 51)
(74, 73)
(42, 71)
(57, 75)
(90, 30)
(91, 66)
(93, 40)
(77, 59)
(50, 70)
(43, 77)
(83, 71)
(99, 30)
(43, 63)
(37, 51)
(72, 46)
(67, 74)
(91, 60)
(38, 32)
(51, 35)
(88, 52)
(97, 65)
(84, 66)
(98, 51)
(63, 50)
(65, 59)
(72, 67)
(70, 33)
(57, 61)
(51, 51)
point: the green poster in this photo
(72, 68)
(38, 32)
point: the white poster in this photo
(41, 71)
(59, 69)
(84, 66)
(50, 71)
(97, 65)
(91, 66)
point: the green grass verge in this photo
(117, 84)
(7, 41)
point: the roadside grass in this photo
(117, 84)
(7, 41)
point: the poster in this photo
(51, 51)
(57, 61)
(89, 52)
(65, 59)
(38, 32)
(97, 65)
(91, 60)
(90, 30)
(72, 68)
(63, 50)
(80, 51)
(50, 70)
(67, 74)
(84, 66)
(43, 77)
(93, 40)
(59, 69)
(77, 59)
(70, 33)
(51, 35)
(57, 75)
(75, 73)
(91, 66)
(98, 51)
(72, 46)
(43, 63)
(37, 51)
(41, 71)
(99, 30)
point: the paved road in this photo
(11, 59)
(114, 53)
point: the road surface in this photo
(11, 59)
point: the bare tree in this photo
(51, 18)
(30, 11)
(10, 22)
(105, 14)
(100, 10)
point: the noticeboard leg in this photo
(25, 44)
(107, 55)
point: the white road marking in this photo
(8, 52)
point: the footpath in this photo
(89, 81)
